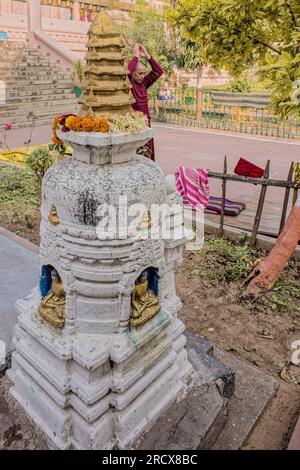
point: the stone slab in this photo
(199, 344)
(98, 139)
(204, 360)
(295, 440)
(193, 423)
(203, 421)
(19, 273)
(254, 390)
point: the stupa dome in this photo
(77, 189)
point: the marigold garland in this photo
(87, 124)
(55, 126)
(129, 122)
(70, 122)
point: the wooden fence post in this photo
(224, 182)
(260, 207)
(286, 199)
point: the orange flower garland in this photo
(55, 139)
(129, 122)
(79, 124)
(87, 124)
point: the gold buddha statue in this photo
(144, 304)
(53, 216)
(146, 221)
(53, 306)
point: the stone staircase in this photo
(33, 85)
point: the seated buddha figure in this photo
(144, 303)
(52, 308)
(53, 216)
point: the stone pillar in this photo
(34, 21)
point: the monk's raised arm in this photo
(132, 65)
(155, 73)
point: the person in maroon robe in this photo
(141, 81)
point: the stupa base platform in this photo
(202, 419)
(103, 402)
(182, 418)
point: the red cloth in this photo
(245, 168)
(147, 150)
(139, 90)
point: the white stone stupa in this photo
(99, 348)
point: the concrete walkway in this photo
(19, 273)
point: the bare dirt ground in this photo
(261, 332)
(15, 433)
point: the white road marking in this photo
(225, 134)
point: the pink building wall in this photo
(70, 34)
(55, 21)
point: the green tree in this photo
(239, 34)
(147, 26)
(187, 57)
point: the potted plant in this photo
(77, 78)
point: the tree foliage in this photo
(187, 55)
(238, 34)
(148, 27)
(151, 29)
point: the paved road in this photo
(204, 148)
(19, 273)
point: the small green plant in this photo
(213, 275)
(240, 85)
(243, 238)
(281, 305)
(241, 264)
(77, 76)
(58, 151)
(39, 161)
(234, 261)
(28, 221)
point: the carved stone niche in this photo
(53, 297)
(144, 298)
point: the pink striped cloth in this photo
(192, 185)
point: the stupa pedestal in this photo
(98, 382)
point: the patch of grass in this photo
(255, 87)
(285, 295)
(226, 260)
(18, 187)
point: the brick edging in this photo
(21, 241)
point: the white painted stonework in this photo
(99, 383)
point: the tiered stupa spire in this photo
(107, 87)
